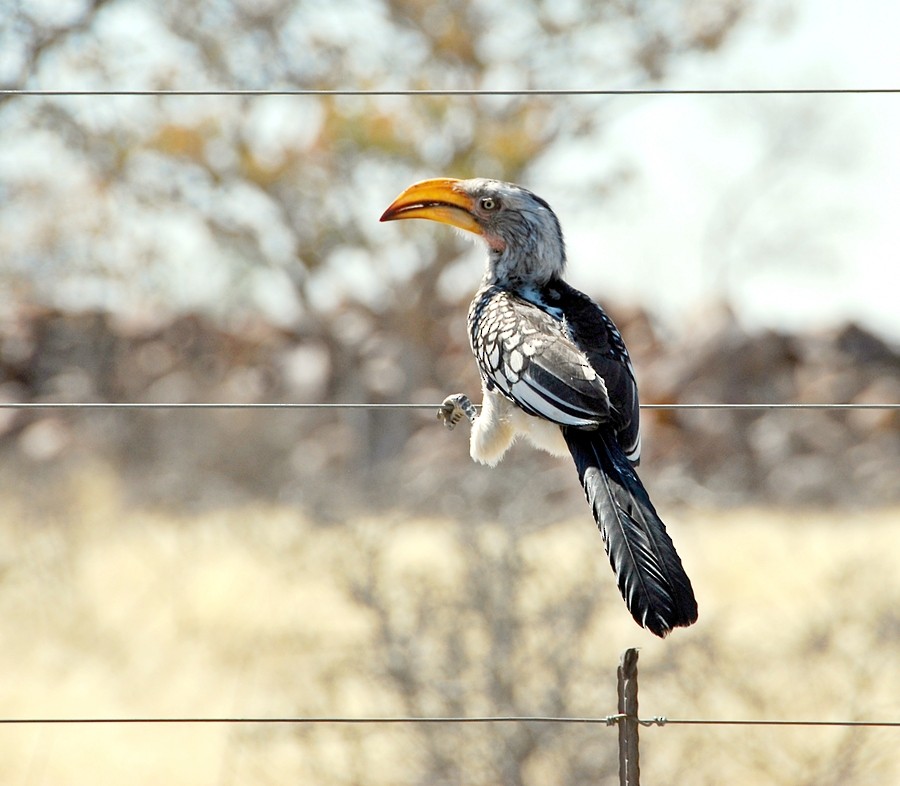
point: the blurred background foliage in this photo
(227, 248)
(213, 248)
(221, 203)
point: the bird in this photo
(555, 370)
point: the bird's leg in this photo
(453, 409)
(492, 428)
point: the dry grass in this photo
(112, 612)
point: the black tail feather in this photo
(650, 576)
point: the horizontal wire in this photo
(351, 406)
(609, 720)
(337, 720)
(201, 405)
(750, 722)
(641, 91)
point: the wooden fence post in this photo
(629, 758)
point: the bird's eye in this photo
(489, 203)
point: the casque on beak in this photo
(438, 199)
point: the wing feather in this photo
(527, 354)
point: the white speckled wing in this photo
(526, 354)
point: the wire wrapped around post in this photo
(629, 756)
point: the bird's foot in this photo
(454, 408)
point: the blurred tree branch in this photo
(265, 209)
(40, 38)
(500, 646)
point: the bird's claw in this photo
(454, 408)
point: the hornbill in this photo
(555, 370)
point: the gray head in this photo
(522, 233)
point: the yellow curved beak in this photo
(436, 200)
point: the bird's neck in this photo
(524, 268)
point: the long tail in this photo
(651, 579)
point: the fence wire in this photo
(472, 92)
(607, 720)
(75, 405)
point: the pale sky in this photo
(794, 197)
